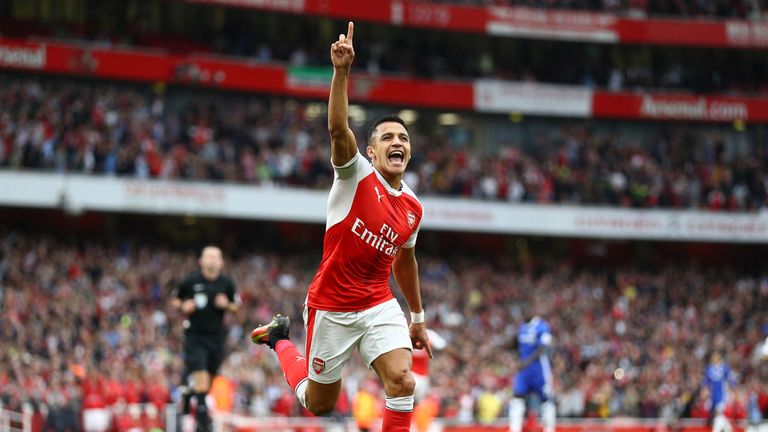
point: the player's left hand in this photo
(342, 52)
(419, 337)
(221, 301)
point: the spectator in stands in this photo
(276, 142)
(366, 408)
(100, 306)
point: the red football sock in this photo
(396, 421)
(294, 366)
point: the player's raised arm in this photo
(343, 144)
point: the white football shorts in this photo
(332, 336)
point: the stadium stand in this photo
(432, 54)
(113, 129)
(104, 335)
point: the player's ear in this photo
(369, 151)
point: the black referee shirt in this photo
(207, 318)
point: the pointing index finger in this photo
(350, 31)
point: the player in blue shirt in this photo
(717, 379)
(534, 374)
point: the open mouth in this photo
(396, 156)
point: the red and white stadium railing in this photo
(13, 421)
(492, 96)
(239, 423)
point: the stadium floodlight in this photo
(357, 114)
(408, 115)
(314, 110)
(448, 119)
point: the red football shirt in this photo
(368, 222)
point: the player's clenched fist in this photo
(342, 52)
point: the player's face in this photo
(527, 314)
(211, 262)
(390, 149)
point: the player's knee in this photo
(400, 383)
(201, 381)
(320, 407)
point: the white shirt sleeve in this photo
(342, 192)
(349, 169)
(411, 242)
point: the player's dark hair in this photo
(202, 249)
(385, 119)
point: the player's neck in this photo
(395, 181)
(396, 184)
(210, 277)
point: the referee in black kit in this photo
(204, 297)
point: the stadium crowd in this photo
(140, 132)
(87, 324)
(300, 41)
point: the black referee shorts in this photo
(203, 352)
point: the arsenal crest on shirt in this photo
(411, 219)
(318, 365)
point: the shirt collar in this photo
(390, 189)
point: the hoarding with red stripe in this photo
(679, 107)
(223, 73)
(527, 22)
(481, 95)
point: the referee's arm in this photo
(180, 299)
(232, 306)
(232, 299)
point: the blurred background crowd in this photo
(301, 41)
(87, 323)
(146, 132)
(84, 314)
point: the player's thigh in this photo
(523, 383)
(215, 359)
(394, 370)
(387, 331)
(543, 386)
(195, 354)
(331, 338)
